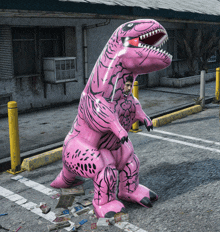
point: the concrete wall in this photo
(29, 91)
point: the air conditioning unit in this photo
(59, 69)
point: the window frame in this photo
(38, 59)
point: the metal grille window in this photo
(31, 44)
(172, 45)
(24, 50)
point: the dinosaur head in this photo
(138, 45)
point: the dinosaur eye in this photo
(129, 26)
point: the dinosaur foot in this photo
(142, 195)
(109, 209)
(62, 182)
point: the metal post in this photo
(14, 138)
(135, 126)
(202, 88)
(217, 85)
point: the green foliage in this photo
(197, 46)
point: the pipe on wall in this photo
(85, 47)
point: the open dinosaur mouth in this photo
(152, 40)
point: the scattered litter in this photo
(86, 202)
(17, 177)
(103, 222)
(91, 212)
(93, 226)
(83, 222)
(1, 227)
(65, 201)
(3, 214)
(44, 208)
(77, 191)
(76, 208)
(66, 211)
(89, 192)
(58, 226)
(121, 225)
(82, 211)
(59, 211)
(79, 224)
(61, 219)
(55, 196)
(18, 229)
(121, 217)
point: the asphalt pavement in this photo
(46, 129)
(180, 161)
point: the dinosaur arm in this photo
(141, 116)
(99, 116)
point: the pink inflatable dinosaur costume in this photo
(97, 146)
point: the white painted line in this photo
(178, 141)
(34, 185)
(50, 216)
(187, 137)
(31, 206)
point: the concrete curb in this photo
(56, 154)
(42, 159)
(160, 121)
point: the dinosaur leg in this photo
(104, 202)
(129, 188)
(65, 179)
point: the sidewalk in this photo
(50, 126)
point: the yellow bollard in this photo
(14, 138)
(135, 126)
(217, 85)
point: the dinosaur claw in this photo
(146, 202)
(123, 139)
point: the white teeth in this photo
(149, 33)
(156, 31)
(152, 32)
(141, 37)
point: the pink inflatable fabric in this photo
(98, 146)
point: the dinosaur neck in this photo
(108, 80)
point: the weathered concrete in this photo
(186, 81)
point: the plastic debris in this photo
(65, 201)
(86, 202)
(56, 196)
(82, 211)
(58, 226)
(121, 217)
(18, 229)
(3, 214)
(79, 224)
(76, 208)
(91, 212)
(59, 211)
(77, 191)
(83, 222)
(66, 211)
(61, 219)
(103, 222)
(1, 227)
(44, 208)
(93, 226)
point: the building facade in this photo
(46, 58)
